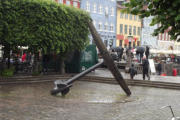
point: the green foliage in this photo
(43, 25)
(165, 12)
(8, 72)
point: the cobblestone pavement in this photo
(86, 101)
(106, 73)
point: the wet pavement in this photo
(86, 101)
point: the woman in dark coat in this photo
(145, 69)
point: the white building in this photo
(147, 39)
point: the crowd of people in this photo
(120, 53)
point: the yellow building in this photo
(128, 28)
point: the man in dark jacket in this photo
(145, 65)
(120, 53)
(132, 71)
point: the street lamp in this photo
(130, 38)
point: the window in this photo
(106, 11)
(121, 15)
(106, 43)
(112, 11)
(60, 1)
(94, 8)
(139, 19)
(163, 36)
(134, 30)
(111, 27)
(139, 31)
(121, 28)
(87, 6)
(125, 29)
(106, 26)
(135, 17)
(130, 16)
(100, 9)
(68, 2)
(130, 30)
(75, 4)
(111, 42)
(100, 26)
(126, 16)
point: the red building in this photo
(75, 3)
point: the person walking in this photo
(145, 65)
(132, 71)
(147, 52)
(159, 68)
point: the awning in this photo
(120, 37)
(126, 41)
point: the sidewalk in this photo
(102, 72)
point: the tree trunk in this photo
(35, 65)
(8, 59)
(6, 55)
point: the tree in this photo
(43, 25)
(166, 13)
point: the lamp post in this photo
(130, 38)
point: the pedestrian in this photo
(145, 65)
(132, 71)
(120, 54)
(137, 56)
(159, 68)
(28, 58)
(45, 62)
(147, 52)
(23, 58)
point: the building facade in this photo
(128, 28)
(103, 14)
(75, 3)
(147, 31)
(164, 42)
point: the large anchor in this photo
(64, 86)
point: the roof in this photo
(120, 4)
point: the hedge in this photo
(43, 25)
